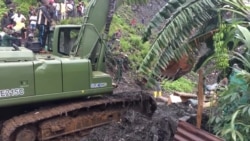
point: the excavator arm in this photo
(93, 33)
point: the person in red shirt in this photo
(133, 22)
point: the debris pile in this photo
(136, 127)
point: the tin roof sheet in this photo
(188, 132)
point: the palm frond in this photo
(242, 58)
(244, 36)
(172, 42)
(237, 6)
(136, 2)
(173, 8)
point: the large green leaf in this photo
(182, 18)
(244, 36)
(183, 21)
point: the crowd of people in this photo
(17, 27)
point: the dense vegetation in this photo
(130, 42)
(231, 119)
(181, 85)
(3, 7)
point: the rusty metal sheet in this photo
(188, 132)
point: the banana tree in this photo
(231, 118)
(184, 22)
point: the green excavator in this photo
(46, 96)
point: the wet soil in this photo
(137, 127)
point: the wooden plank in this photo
(200, 99)
(185, 96)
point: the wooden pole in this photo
(200, 99)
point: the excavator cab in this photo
(67, 38)
(61, 39)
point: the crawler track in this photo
(66, 119)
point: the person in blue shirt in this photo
(43, 24)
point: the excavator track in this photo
(82, 115)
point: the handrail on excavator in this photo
(76, 44)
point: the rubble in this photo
(136, 127)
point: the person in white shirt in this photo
(57, 11)
(69, 8)
(20, 29)
(32, 21)
(18, 17)
(63, 11)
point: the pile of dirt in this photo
(137, 127)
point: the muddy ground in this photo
(137, 127)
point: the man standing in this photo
(43, 24)
(10, 14)
(63, 11)
(57, 6)
(80, 9)
(18, 17)
(5, 21)
(69, 8)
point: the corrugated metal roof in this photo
(188, 132)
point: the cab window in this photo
(67, 38)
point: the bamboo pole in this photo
(200, 99)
